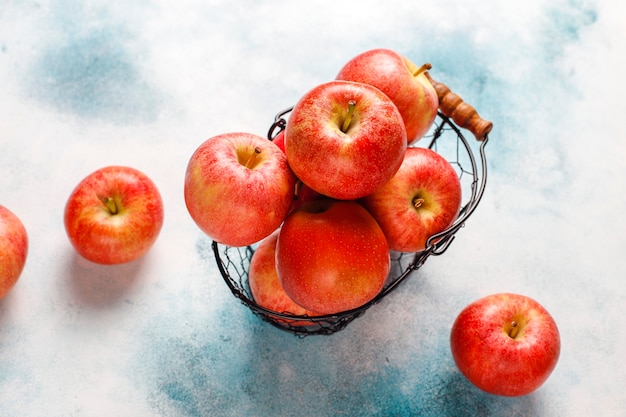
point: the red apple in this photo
(279, 140)
(265, 286)
(238, 188)
(423, 198)
(505, 344)
(114, 215)
(344, 139)
(401, 80)
(13, 250)
(331, 256)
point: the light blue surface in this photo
(86, 85)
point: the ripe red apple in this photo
(265, 286)
(13, 250)
(423, 198)
(114, 215)
(331, 256)
(345, 139)
(401, 80)
(279, 140)
(505, 344)
(238, 188)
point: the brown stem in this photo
(297, 188)
(252, 160)
(514, 329)
(348, 119)
(421, 69)
(110, 204)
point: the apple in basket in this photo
(423, 198)
(279, 140)
(331, 256)
(13, 250)
(302, 193)
(505, 344)
(404, 82)
(345, 139)
(265, 286)
(238, 188)
(114, 215)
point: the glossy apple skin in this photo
(109, 238)
(265, 286)
(425, 175)
(13, 250)
(234, 204)
(494, 361)
(392, 73)
(331, 256)
(349, 165)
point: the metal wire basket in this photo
(447, 139)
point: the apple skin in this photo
(265, 286)
(13, 250)
(393, 74)
(427, 179)
(491, 359)
(279, 140)
(235, 204)
(106, 237)
(331, 256)
(302, 193)
(349, 165)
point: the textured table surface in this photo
(143, 83)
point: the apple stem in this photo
(348, 120)
(421, 69)
(514, 329)
(418, 202)
(250, 162)
(297, 188)
(110, 204)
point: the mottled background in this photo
(143, 83)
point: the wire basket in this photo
(447, 139)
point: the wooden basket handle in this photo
(463, 114)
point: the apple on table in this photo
(238, 188)
(506, 344)
(345, 139)
(331, 256)
(114, 215)
(13, 249)
(423, 198)
(402, 81)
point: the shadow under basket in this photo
(447, 139)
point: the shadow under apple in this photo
(102, 286)
(457, 397)
(5, 309)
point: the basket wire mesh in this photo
(447, 139)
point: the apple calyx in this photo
(251, 162)
(347, 121)
(421, 69)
